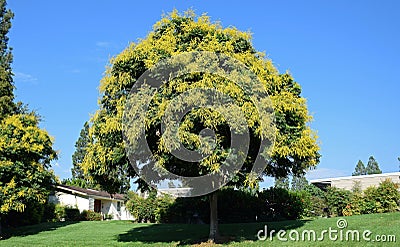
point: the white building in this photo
(364, 181)
(88, 199)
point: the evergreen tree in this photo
(299, 182)
(79, 178)
(80, 151)
(7, 105)
(372, 166)
(359, 169)
(282, 182)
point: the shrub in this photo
(381, 199)
(90, 215)
(279, 204)
(72, 214)
(59, 211)
(49, 212)
(151, 209)
(32, 214)
(337, 200)
(388, 196)
(237, 206)
(186, 210)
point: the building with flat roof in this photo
(364, 181)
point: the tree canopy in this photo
(295, 149)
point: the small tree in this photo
(372, 166)
(282, 183)
(360, 169)
(299, 182)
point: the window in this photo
(118, 206)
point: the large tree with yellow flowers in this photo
(295, 149)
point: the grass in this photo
(125, 233)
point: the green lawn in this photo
(120, 233)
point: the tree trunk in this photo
(214, 233)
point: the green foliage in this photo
(90, 215)
(282, 182)
(372, 166)
(49, 212)
(359, 169)
(72, 214)
(299, 182)
(7, 105)
(236, 206)
(80, 151)
(79, 178)
(34, 213)
(337, 200)
(59, 211)
(150, 209)
(381, 199)
(279, 203)
(187, 210)
(81, 182)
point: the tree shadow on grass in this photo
(34, 229)
(184, 234)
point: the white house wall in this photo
(82, 202)
(110, 207)
(125, 214)
(73, 201)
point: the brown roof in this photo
(91, 192)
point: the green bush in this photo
(90, 215)
(381, 199)
(33, 214)
(59, 211)
(187, 210)
(49, 212)
(337, 200)
(281, 204)
(388, 196)
(72, 214)
(151, 209)
(238, 206)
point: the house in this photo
(88, 199)
(364, 181)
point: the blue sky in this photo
(344, 54)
